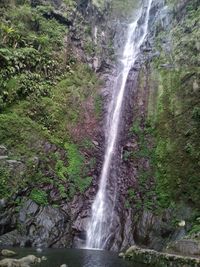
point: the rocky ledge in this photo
(159, 259)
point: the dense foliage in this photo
(43, 88)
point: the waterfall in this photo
(102, 210)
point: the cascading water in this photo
(101, 220)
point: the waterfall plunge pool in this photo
(77, 258)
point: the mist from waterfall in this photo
(101, 219)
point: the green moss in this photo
(136, 129)
(20, 134)
(61, 170)
(39, 196)
(43, 97)
(98, 105)
(175, 114)
(74, 172)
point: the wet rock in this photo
(130, 251)
(8, 253)
(147, 49)
(50, 224)
(40, 227)
(121, 255)
(23, 262)
(95, 143)
(39, 250)
(152, 231)
(29, 208)
(2, 203)
(3, 151)
(184, 247)
(12, 238)
(63, 265)
(158, 259)
(167, 66)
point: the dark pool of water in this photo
(77, 258)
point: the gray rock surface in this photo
(158, 259)
(8, 253)
(3, 150)
(185, 247)
(39, 227)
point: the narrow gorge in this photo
(99, 131)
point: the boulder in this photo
(8, 253)
(10, 263)
(130, 251)
(13, 238)
(121, 255)
(23, 262)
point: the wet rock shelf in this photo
(158, 259)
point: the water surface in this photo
(78, 258)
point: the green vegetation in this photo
(20, 134)
(44, 89)
(173, 120)
(143, 195)
(28, 41)
(176, 114)
(39, 196)
(76, 168)
(177, 134)
(98, 105)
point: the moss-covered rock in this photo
(158, 259)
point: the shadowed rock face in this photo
(39, 227)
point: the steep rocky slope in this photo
(50, 115)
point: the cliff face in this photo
(57, 66)
(51, 109)
(162, 150)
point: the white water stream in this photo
(97, 231)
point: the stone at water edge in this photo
(44, 258)
(121, 255)
(23, 262)
(39, 250)
(157, 259)
(130, 251)
(63, 265)
(8, 253)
